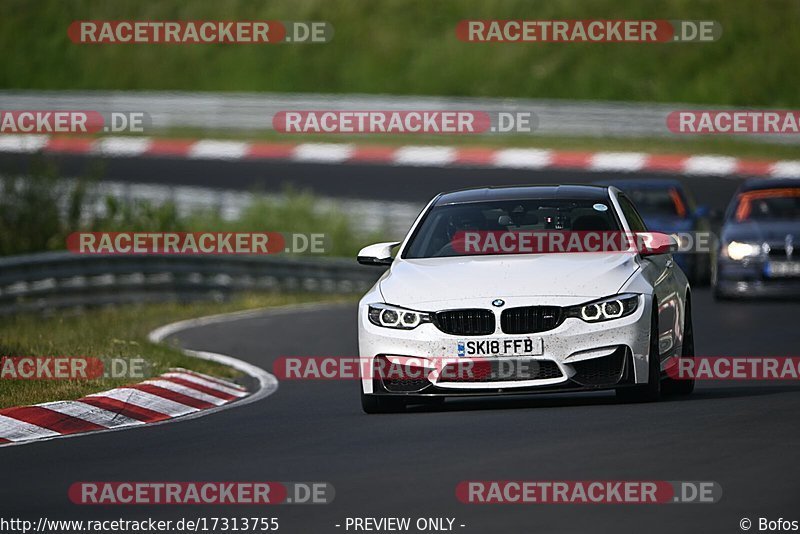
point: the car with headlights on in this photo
(559, 321)
(667, 206)
(759, 254)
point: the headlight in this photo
(605, 309)
(390, 316)
(738, 251)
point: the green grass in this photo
(410, 47)
(114, 332)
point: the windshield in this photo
(664, 202)
(768, 204)
(435, 235)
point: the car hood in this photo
(760, 231)
(585, 275)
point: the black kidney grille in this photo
(530, 319)
(469, 322)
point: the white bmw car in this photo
(469, 323)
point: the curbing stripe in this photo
(153, 400)
(711, 165)
(107, 411)
(414, 156)
(122, 146)
(523, 158)
(572, 160)
(189, 392)
(14, 430)
(209, 149)
(22, 143)
(125, 409)
(51, 420)
(174, 396)
(93, 414)
(789, 169)
(68, 145)
(322, 152)
(170, 148)
(218, 383)
(214, 392)
(425, 156)
(618, 161)
(144, 399)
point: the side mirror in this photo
(655, 243)
(377, 254)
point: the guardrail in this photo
(56, 280)
(254, 111)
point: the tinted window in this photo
(768, 204)
(631, 215)
(435, 235)
(659, 201)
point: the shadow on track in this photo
(600, 398)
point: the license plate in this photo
(512, 346)
(783, 268)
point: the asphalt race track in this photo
(742, 435)
(354, 180)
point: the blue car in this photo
(666, 206)
(757, 255)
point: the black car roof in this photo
(769, 183)
(517, 192)
(642, 183)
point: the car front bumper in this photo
(749, 279)
(577, 356)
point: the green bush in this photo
(34, 218)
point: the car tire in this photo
(702, 271)
(380, 404)
(684, 387)
(695, 273)
(651, 391)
